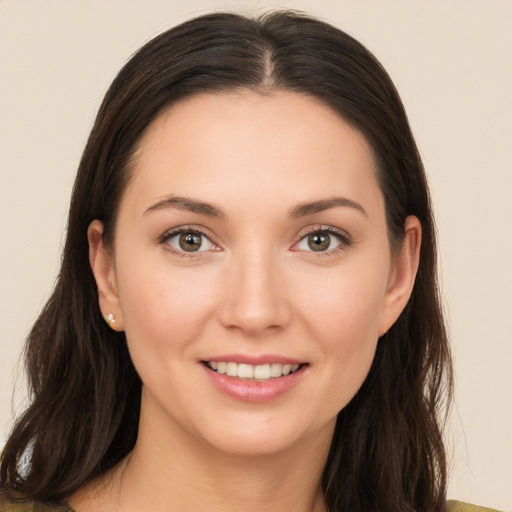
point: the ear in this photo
(402, 276)
(102, 265)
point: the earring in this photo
(110, 319)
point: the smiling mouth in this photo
(254, 373)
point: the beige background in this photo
(451, 61)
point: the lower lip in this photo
(251, 391)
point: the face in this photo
(251, 269)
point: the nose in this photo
(255, 297)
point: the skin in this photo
(255, 287)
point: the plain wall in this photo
(450, 60)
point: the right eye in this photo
(319, 241)
(188, 241)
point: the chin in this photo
(266, 436)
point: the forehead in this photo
(244, 145)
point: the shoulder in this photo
(7, 505)
(459, 506)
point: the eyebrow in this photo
(313, 207)
(188, 204)
(301, 210)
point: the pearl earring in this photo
(110, 319)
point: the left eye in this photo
(319, 241)
(190, 241)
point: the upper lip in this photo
(254, 360)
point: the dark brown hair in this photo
(387, 453)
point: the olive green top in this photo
(458, 506)
(9, 506)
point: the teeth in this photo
(276, 370)
(245, 371)
(259, 372)
(262, 371)
(232, 370)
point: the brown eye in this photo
(319, 242)
(190, 242)
(325, 240)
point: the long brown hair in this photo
(387, 453)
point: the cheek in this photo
(350, 333)
(344, 303)
(164, 306)
(343, 317)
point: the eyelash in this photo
(345, 240)
(164, 240)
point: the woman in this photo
(247, 312)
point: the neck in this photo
(171, 470)
(188, 475)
